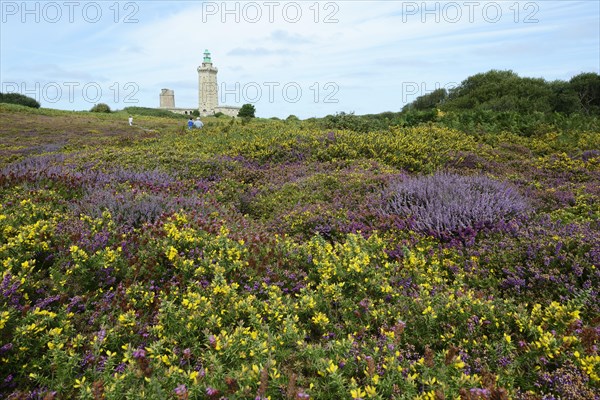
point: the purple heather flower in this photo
(87, 359)
(43, 303)
(139, 353)
(120, 368)
(181, 390)
(504, 361)
(211, 391)
(484, 393)
(6, 347)
(101, 335)
(212, 340)
(101, 362)
(364, 303)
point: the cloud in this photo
(368, 48)
(407, 62)
(280, 35)
(131, 49)
(54, 72)
(259, 51)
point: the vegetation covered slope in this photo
(504, 91)
(283, 260)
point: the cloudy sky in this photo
(307, 58)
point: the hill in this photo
(286, 259)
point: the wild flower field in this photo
(281, 260)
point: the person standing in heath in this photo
(190, 123)
(198, 124)
(130, 120)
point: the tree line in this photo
(18, 98)
(492, 102)
(505, 91)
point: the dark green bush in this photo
(247, 111)
(348, 121)
(100, 108)
(18, 98)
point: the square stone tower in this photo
(208, 99)
(167, 98)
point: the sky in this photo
(306, 58)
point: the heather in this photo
(446, 205)
(282, 259)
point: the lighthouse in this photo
(208, 99)
(208, 94)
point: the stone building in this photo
(208, 93)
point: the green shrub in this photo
(18, 98)
(100, 108)
(247, 111)
(347, 121)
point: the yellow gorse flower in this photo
(332, 368)
(357, 393)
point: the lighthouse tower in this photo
(208, 94)
(208, 99)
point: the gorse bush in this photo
(444, 204)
